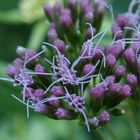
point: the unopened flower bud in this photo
(54, 102)
(132, 19)
(21, 51)
(42, 108)
(78, 100)
(39, 68)
(72, 3)
(115, 49)
(121, 20)
(39, 93)
(66, 11)
(104, 117)
(99, 52)
(135, 47)
(29, 54)
(97, 93)
(110, 79)
(57, 91)
(28, 93)
(62, 113)
(100, 6)
(119, 71)
(57, 8)
(114, 88)
(117, 31)
(131, 80)
(88, 32)
(60, 46)
(130, 56)
(125, 91)
(110, 61)
(66, 20)
(12, 70)
(51, 26)
(89, 17)
(48, 10)
(94, 122)
(18, 62)
(52, 35)
(88, 69)
(88, 9)
(84, 4)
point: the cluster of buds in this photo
(122, 27)
(103, 118)
(127, 27)
(86, 83)
(68, 23)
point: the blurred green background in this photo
(22, 23)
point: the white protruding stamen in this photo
(27, 107)
(132, 4)
(91, 70)
(130, 28)
(115, 36)
(24, 90)
(7, 79)
(35, 56)
(40, 73)
(22, 101)
(50, 99)
(82, 89)
(104, 33)
(78, 109)
(88, 77)
(111, 11)
(137, 56)
(52, 85)
(104, 59)
(91, 29)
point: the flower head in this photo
(56, 81)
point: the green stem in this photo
(98, 134)
(111, 133)
(134, 110)
(134, 117)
